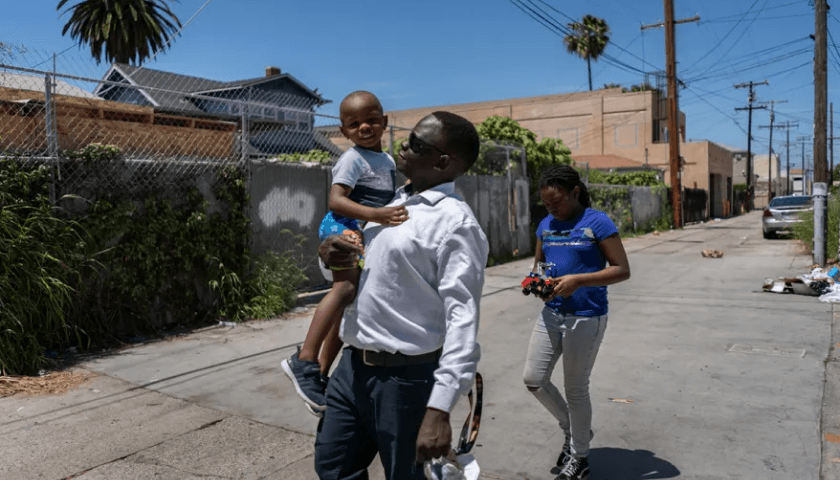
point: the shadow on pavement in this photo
(623, 464)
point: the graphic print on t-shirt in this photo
(568, 238)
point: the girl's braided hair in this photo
(567, 178)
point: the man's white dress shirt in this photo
(421, 286)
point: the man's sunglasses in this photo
(420, 147)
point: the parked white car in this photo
(783, 213)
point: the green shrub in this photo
(314, 156)
(804, 230)
(78, 280)
(40, 269)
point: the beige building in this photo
(631, 125)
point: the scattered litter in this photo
(657, 232)
(832, 438)
(620, 400)
(817, 283)
(19, 409)
(222, 323)
(835, 460)
(712, 253)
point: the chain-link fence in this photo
(174, 132)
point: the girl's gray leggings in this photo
(577, 339)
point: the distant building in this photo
(279, 106)
(33, 83)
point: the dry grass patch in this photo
(54, 383)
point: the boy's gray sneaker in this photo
(306, 377)
(576, 468)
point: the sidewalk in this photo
(701, 376)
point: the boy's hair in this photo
(567, 178)
(358, 94)
(461, 137)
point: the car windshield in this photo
(799, 201)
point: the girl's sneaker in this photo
(566, 453)
(576, 468)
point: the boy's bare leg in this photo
(328, 315)
(330, 349)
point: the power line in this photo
(176, 34)
(725, 36)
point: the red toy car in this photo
(538, 283)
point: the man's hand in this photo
(435, 436)
(338, 251)
(391, 216)
(564, 286)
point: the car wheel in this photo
(769, 235)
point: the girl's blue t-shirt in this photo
(572, 246)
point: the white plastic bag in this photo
(464, 467)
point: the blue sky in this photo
(438, 52)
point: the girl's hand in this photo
(564, 286)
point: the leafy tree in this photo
(506, 131)
(121, 30)
(588, 39)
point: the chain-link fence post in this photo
(391, 140)
(52, 138)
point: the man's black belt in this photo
(373, 358)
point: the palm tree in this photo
(121, 30)
(588, 39)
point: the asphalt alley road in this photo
(701, 376)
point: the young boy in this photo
(364, 180)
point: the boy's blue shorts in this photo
(336, 224)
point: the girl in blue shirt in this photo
(584, 254)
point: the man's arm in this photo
(461, 261)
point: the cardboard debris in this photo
(656, 232)
(712, 253)
(620, 400)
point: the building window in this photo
(303, 126)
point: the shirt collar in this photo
(435, 194)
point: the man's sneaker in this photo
(566, 453)
(306, 377)
(576, 468)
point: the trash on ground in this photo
(817, 283)
(620, 400)
(709, 253)
(222, 323)
(657, 232)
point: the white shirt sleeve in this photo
(461, 261)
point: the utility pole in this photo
(750, 107)
(673, 107)
(802, 139)
(770, 149)
(820, 90)
(831, 149)
(788, 184)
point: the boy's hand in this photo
(391, 216)
(337, 251)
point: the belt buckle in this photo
(364, 359)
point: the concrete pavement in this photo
(701, 376)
